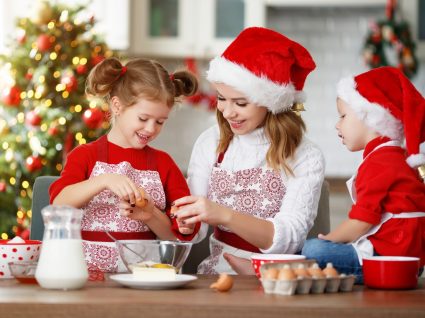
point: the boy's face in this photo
(354, 133)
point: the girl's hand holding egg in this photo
(141, 210)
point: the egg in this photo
(315, 271)
(223, 284)
(143, 201)
(330, 271)
(271, 273)
(301, 271)
(286, 273)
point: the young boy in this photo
(378, 110)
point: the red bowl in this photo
(259, 259)
(390, 272)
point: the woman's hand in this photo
(184, 228)
(122, 186)
(193, 209)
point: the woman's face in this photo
(353, 132)
(137, 125)
(242, 116)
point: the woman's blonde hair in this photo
(284, 131)
(139, 78)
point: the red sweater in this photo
(386, 183)
(80, 163)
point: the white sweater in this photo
(299, 206)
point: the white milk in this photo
(61, 264)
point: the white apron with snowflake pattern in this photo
(258, 192)
(102, 213)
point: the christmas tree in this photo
(44, 112)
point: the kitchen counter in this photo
(246, 299)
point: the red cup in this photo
(391, 272)
(259, 259)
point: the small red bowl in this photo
(259, 259)
(391, 272)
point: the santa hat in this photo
(266, 66)
(386, 101)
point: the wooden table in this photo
(246, 299)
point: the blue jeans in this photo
(343, 256)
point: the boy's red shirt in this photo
(386, 183)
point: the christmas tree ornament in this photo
(42, 14)
(43, 43)
(2, 186)
(33, 118)
(22, 36)
(4, 129)
(11, 96)
(53, 131)
(390, 43)
(33, 163)
(81, 69)
(96, 59)
(70, 82)
(93, 118)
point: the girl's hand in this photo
(131, 211)
(122, 186)
(193, 209)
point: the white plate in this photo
(129, 281)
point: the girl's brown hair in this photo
(284, 131)
(139, 78)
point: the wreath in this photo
(389, 42)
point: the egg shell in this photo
(286, 273)
(143, 201)
(301, 271)
(330, 271)
(271, 273)
(315, 271)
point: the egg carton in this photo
(305, 285)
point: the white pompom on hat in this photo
(266, 66)
(386, 101)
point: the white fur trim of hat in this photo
(275, 97)
(418, 159)
(373, 115)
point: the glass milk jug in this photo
(61, 264)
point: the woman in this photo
(254, 176)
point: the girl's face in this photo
(354, 133)
(242, 116)
(137, 125)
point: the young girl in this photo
(256, 178)
(378, 109)
(103, 177)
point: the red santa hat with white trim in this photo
(266, 66)
(386, 101)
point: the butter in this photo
(154, 274)
(148, 271)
